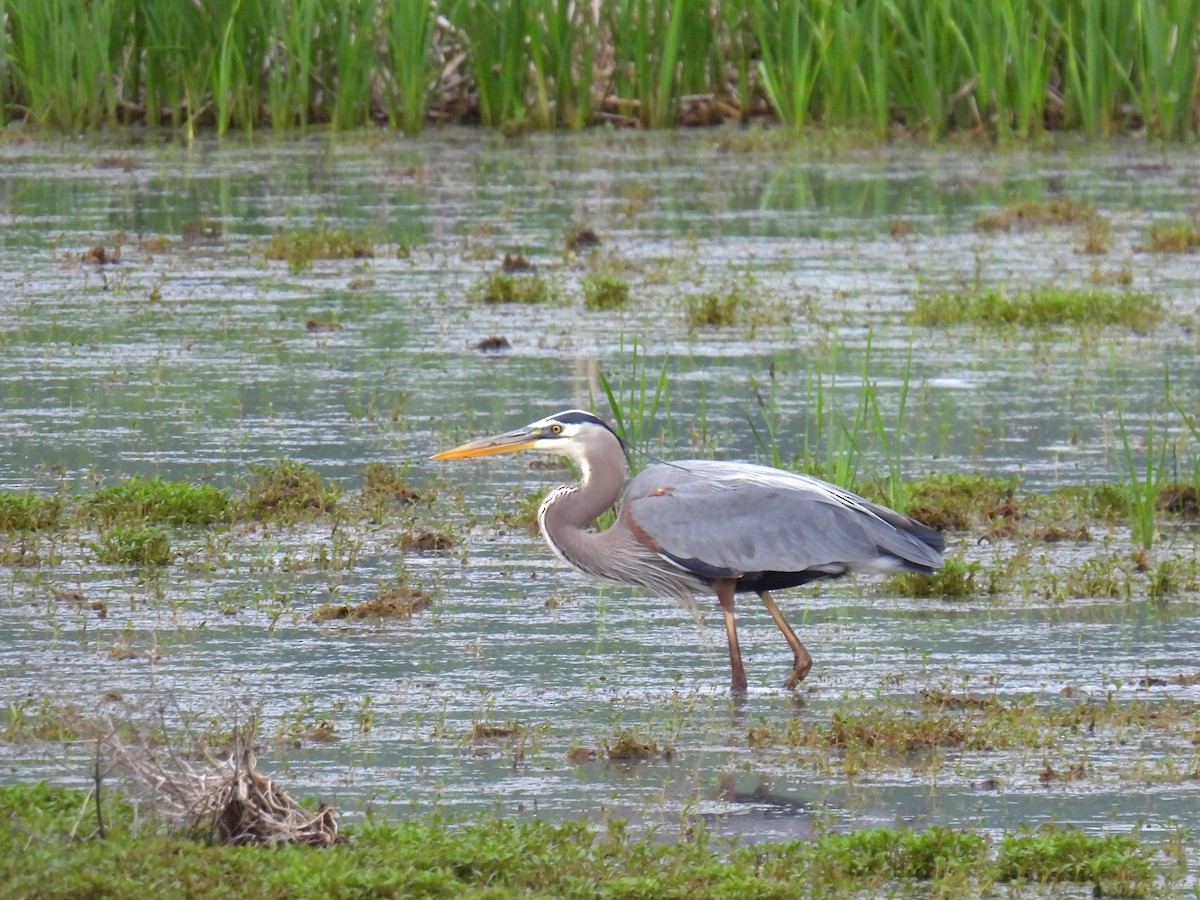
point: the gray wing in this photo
(749, 518)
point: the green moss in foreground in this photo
(52, 847)
(1042, 306)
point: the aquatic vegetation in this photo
(491, 731)
(952, 500)
(1097, 240)
(503, 287)
(1179, 499)
(287, 490)
(148, 545)
(27, 511)
(716, 310)
(1039, 307)
(1143, 482)
(401, 602)
(956, 578)
(524, 856)
(1116, 864)
(604, 291)
(1181, 236)
(581, 237)
(31, 720)
(1030, 213)
(635, 401)
(1172, 576)
(427, 540)
(388, 482)
(629, 746)
(300, 247)
(1101, 576)
(521, 513)
(874, 734)
(158, 501)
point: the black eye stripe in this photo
(579, 417)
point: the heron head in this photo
(567, 433)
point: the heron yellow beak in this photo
(521, 439)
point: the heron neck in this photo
(569, 509)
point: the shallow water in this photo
(192, 361)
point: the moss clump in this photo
(956, 578)
(154, 500)
(301, 246)
(1039, 307)
(629, 746)
(387, 482)
(956, 501)
(287, 490)
(427, 540)
(491, 731)
(27, 511)
(581, 237)
(604, 291)
(1097, 236)
(1180, 499)
(716, 310)
(1038, 213)
(393, 603)
(133, 545)
(1181, 236)
(502, 287)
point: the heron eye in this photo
(556, 429)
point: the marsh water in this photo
(195, 357)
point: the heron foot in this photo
(800, 669)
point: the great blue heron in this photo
(689, 527)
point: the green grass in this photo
(502, 287)
(1181, 236)
(604, 291)
(636, 396)
(27, 511)
(286, 490)
(133, 545)
(1042, 306)
(58, 844)
(715, 309)
(956, 578)
(300, 247)
(158, 501)
(1005, 69)
(1031, 213)
(956, 501)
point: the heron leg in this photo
(803, 659)
(725, 590)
